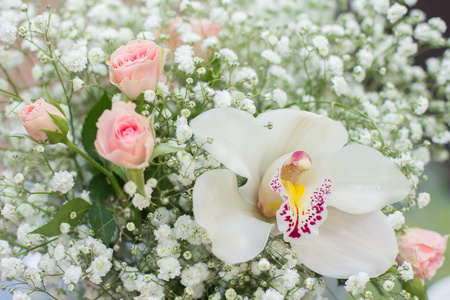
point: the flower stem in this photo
(137, 176)
(108, 174)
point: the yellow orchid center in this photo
(289, 172)
(295, 193)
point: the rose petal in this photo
(236, 233)
(364, 180)
(349, 244)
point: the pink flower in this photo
(204, 28)
(136, 67)
(36, 117)
(423, 249)
(124, 137)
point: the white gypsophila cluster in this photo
(77, 84)
(11, 268)
(169, 268)
(222, 99)
(406, 271)
(75, 60)
(184, 132)
(8, 33)
(423, 199)
(62, 182)
(397, 219)
(184, 57)
(271, 56)
(18, 295)
(357, 283)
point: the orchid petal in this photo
(237, 143)
(349, 244)
(364, 180)
(236, 233)
(295, 130)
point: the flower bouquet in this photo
(168, 149)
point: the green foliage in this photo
(102, 222)
(415, 288)
(99, 188)
(55, 137)
(89, 132)
(77, 205)
(165, 148)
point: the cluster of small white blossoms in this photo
(355, 67)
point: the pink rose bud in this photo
(124, 137)
(204, 28)
(423, 249)
(136, 67)
(35, 117)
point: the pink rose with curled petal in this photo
(423, 249)
(124, 137)
(136, 67)
(35, 117)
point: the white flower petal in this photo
(232, 224)
(295, 130)
(237, 143)
(364, 180)
(349, 244)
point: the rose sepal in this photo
(55, 137)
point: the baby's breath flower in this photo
(271, 56)
(396, 12)
(130, 188)
(397, 220)
(357, 283)
(423, 199)
(62, 182)
(77, 84)
(388, 285)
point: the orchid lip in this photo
(297, 197)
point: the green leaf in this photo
(120, 171)
(415, 288)
(100, 188)
(165, 148)
(50, 100)
(77, 205)
(60, 122)
(102, 222)
(89, 132)
(54, 137)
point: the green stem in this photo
(137, 176)
(108, 174)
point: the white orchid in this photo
(302, 181)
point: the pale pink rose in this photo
(203, 27)
(35, 116)
(137, 67)
(423, 249)
(124, 137)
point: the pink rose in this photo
(423, 249)
(136, 67)
(203, 27)
(35, 116)
(124, 137)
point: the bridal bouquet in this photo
(167, 149)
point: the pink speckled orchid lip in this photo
(304, 208)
